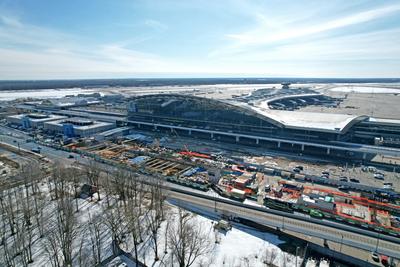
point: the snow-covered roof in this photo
(311, 120)
(328, 122)
(38, 117)
(380, 120)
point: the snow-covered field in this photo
(241, 246)
(43, 94)
(365, 90)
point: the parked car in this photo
(375, 256)
(70, 156)
(301, 168)
(343, 179)
(353, 180)
(379, 176)
(388, 186)
(343, 188)
(36, 150)
(371, 169)
(296, 170)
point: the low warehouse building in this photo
(77, 127)
(32, 120)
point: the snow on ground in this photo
(365, 90)
(241, 246)
(43, 94)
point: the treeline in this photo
(89, 83)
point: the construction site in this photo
(270, 187)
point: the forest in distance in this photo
(137, 82)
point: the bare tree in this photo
(95, 230)
(154, 220)
(188, 240)
(93, 175)
(108, 187)
(39, 203)
(59, 180)
(270, 256)
(76, 180)
(8, 206)
(167, 228)
(133, 216)
(51, 247)
(26, 229)
(155, 215)
(120, 184)
(113, 221)
(66, 226)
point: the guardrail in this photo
(292, 216)
(325, 230)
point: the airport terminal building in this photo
(236, 121)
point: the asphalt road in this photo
(19, 139)
(316, 229)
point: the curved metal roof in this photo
(326, 122)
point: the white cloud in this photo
(265, 34)
(155, 24)
(28, 51)
(10, 21)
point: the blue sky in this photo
(47, 39)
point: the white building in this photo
(32, 120)
(77, 127)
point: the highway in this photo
(331, 231)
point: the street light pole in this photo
(297, 248)
(377, 243)
(341, 243)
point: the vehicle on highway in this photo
(296, 170)
(36, 150)
(301, 168)
(343, 188)
(388, 186)
(375, 256)
(316, 214)
(354, 180)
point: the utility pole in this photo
(377, 242)
(341, 243)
